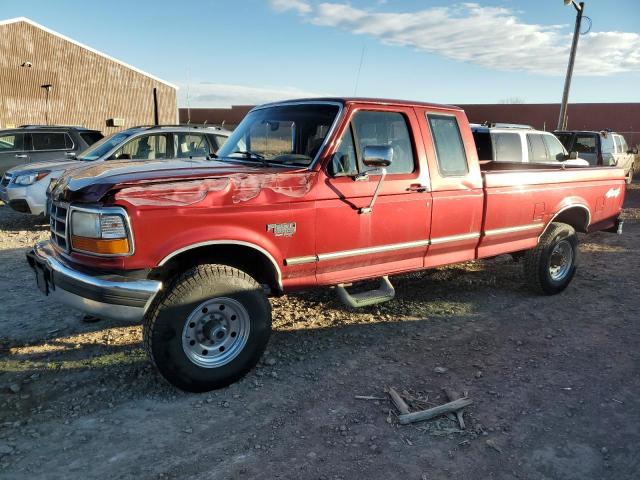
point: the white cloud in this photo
(220, 95)
(298, 6)
(492, 37)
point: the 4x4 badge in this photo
(282, 229)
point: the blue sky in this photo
(249, 51)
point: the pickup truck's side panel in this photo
(520, 205)
(457, 200)
(393, 237)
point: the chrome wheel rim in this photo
(561, 260)
(216, 332)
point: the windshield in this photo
(104, 146)
(281, 134)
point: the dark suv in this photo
(42, 143)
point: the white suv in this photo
(505, 142)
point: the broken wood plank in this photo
(368, 397)
(400, 404)
(435, 411)
(451, 395)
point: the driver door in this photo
(393, 237)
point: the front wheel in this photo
(551, 265)
(209, 328)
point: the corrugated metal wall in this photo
(87, 88)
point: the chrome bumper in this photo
(114, 297)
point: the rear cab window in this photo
(450, 152)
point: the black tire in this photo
(166, 319)
(537, 261)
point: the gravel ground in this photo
(554, 380)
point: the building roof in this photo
(93, 50)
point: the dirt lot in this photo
(555, 381)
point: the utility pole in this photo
(562, 120)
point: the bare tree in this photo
(511, 100)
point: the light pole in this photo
(562, 120)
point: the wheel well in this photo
(577, 217)
(245, 258)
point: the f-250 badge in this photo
(282, 229)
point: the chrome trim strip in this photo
(455, 238)
(227, 242)
(300, 260)
(519, 228)
(322, 257)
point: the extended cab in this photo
(304, 194)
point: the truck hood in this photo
(91, 183)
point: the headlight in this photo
(104, 233)
(30, 178)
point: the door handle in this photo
(417, 187)
(21, 156)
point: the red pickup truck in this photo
(306, 193)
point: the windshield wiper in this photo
(251, 155)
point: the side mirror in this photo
(633, 151)
(377, 156)
(573, 155)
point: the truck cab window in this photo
(344, 162)
(507, 146)
(386, 128)
(452, 160)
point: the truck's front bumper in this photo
(104, 296)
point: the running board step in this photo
(383, 293)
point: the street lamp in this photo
(562, 120)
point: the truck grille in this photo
(6, 179)
(58, 224)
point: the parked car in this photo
(304, 194)
(600, 148)
(24, 189)
(505, 142)
(42, 143)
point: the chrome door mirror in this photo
(377, 156)
(573, 155)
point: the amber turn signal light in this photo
(117, 246)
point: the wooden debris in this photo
(453, 406)
(367, 397)
(397, 400)
(451, 395)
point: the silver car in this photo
(24, 189)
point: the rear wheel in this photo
(551, 265)
(209, 327)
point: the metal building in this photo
(48, 78)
